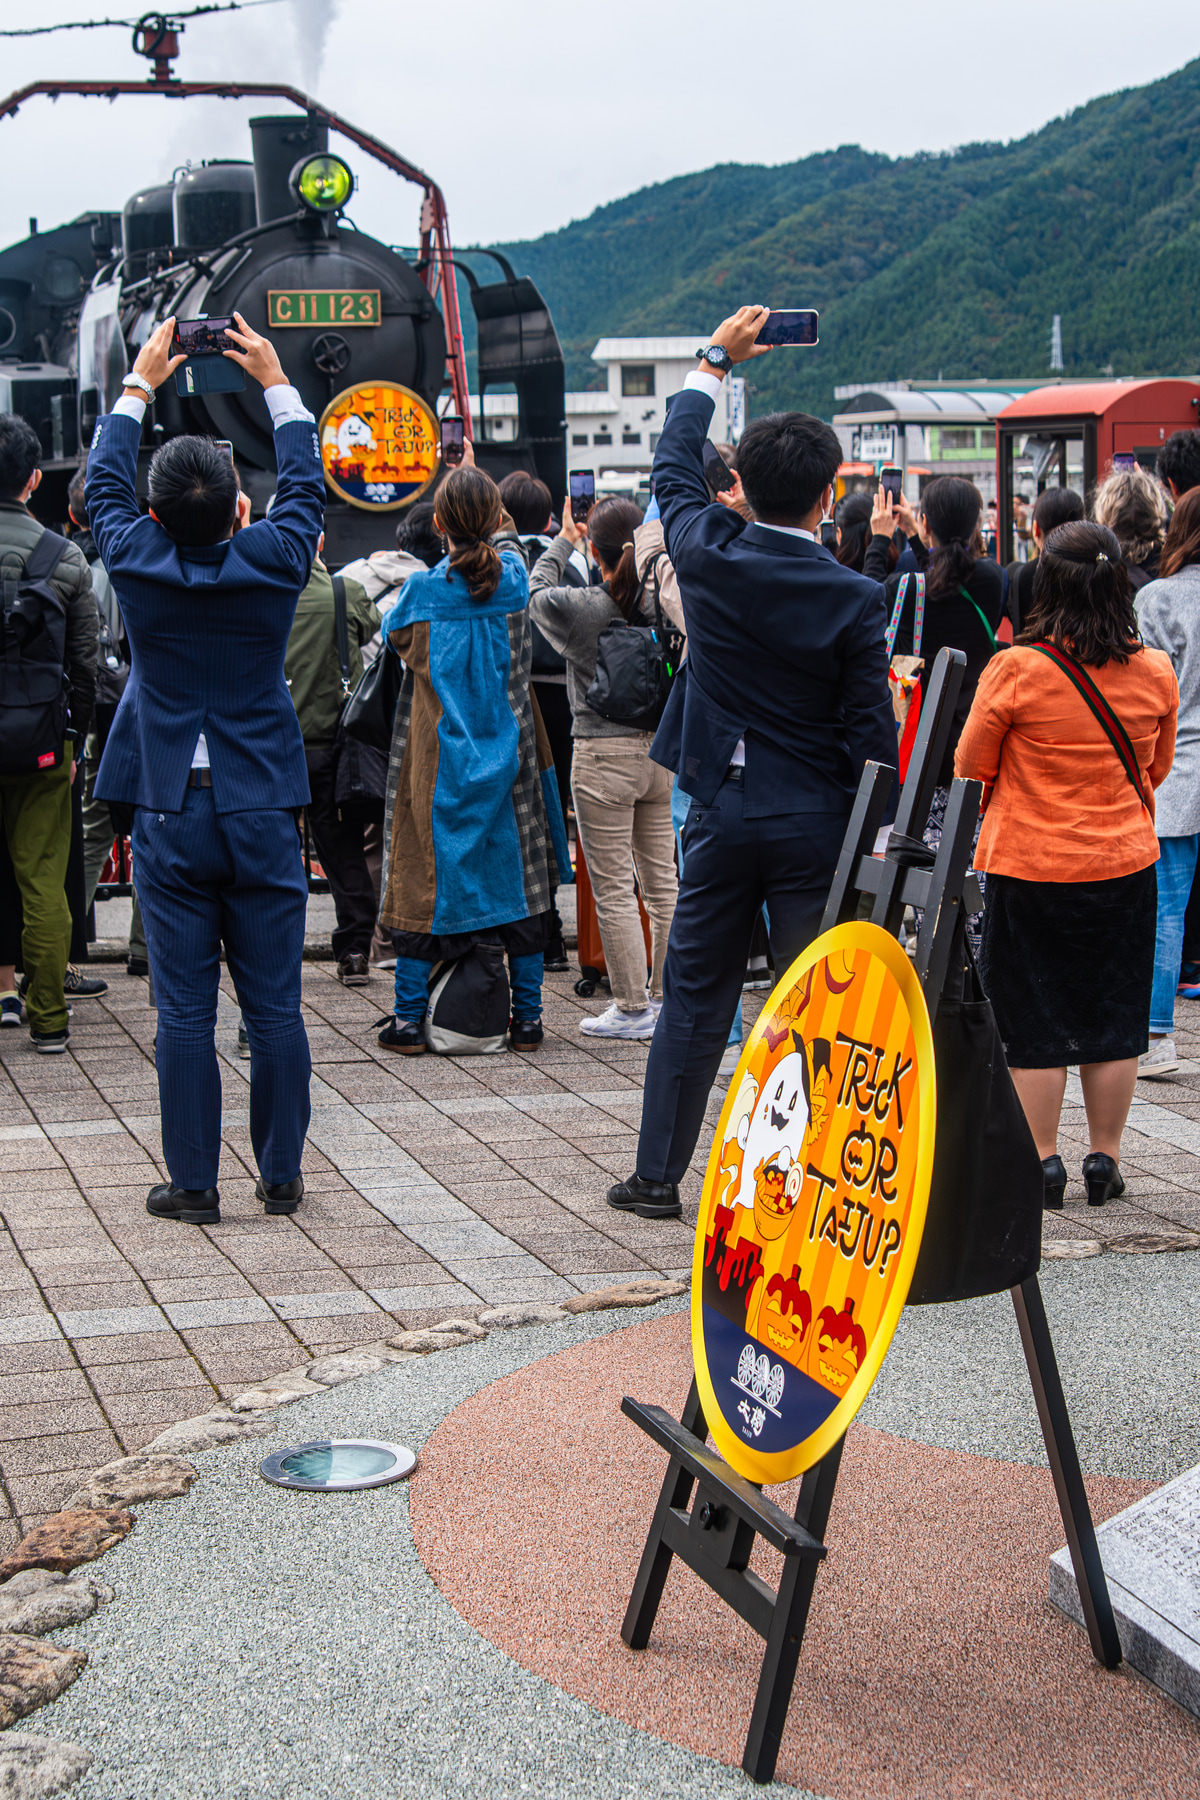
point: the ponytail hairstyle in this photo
(952, 509)
(610, 526)
(469, 511)
(1082, 598)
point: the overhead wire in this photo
(195, 12)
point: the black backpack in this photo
(636, 664)
(34, 689)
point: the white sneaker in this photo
(655, 1005)
(730, 1057)
(613, 1023)
(1159, 1059)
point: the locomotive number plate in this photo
(323, 306)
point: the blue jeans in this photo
(680, 802)
(412, 988)
(1176, 867)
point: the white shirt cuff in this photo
(131, 407)
(286, 407)
(703, 383)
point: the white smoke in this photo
(312, 20)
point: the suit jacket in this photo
(208, 627)
(785, 648)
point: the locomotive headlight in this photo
(323, 184)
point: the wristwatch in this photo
(717, 357)
(135, 380)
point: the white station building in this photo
(614, 432)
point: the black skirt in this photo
(1068, 967)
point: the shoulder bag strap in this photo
(894, 622)
(982, 618)
(45, 556)
(341, 632)
(920, 619)
(1101, 711)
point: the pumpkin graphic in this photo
(839, 1347)
(784, 1315)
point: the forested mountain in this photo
(949, 263)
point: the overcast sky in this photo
(531, 114)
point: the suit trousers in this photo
(341, 852)
(205, 876)
(732, 865)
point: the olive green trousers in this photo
(35, 816)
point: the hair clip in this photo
(1100, 556)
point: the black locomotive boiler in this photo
(349, 315)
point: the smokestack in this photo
(279, 145)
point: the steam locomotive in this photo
(356, 323)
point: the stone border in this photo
(1129, 1243)
(43, 1587)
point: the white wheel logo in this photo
(745, 1369)
(775, 1386)
(762, 1374)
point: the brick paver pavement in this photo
(434, 1187)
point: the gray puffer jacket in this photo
(72, 581)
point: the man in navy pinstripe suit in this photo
(206, 750)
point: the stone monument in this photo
(1151, 1556)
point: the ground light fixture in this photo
(338, 1465)
(322, 184)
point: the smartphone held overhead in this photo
(202, 337)
(453, 440)
(790, 330)
(583, 493)
(207, 369)
(892, 482)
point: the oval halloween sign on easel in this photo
(814, 1203)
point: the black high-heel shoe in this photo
(1104, 1179)
(1054, 1175)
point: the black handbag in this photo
(359, 769)
(636, 664)
(370, 713)
(983, 1230)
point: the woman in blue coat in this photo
(467, 826)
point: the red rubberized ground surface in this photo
(934, 1663)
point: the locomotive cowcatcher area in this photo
(461, 1632)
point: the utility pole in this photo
(1056, 355)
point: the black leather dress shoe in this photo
(648, 1199)
(192, 1206)
(1104, 1179)
(137, 965)
(282, 1196)
(1054, 1179)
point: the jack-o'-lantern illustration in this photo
(839, 1347)
(785, 1315)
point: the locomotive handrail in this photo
(436, 253)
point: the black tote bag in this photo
(983, 1231)
(370, 712)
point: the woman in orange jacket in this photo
(1071, 731)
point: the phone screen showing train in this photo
(892, 481)
(202, 337)
(452, 440)
(789, 330)
(1124, 462)
(583, 494)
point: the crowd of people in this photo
(205, 662)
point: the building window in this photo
(602, 437)
(579, 437)
(637, 380)
(631, 437)
(654, 437)
(956, 438)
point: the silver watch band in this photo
(134, 380)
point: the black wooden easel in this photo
(716, 1535)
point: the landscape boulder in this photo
(67, 1539)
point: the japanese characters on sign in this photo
(379, 446)
(814, 1203)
